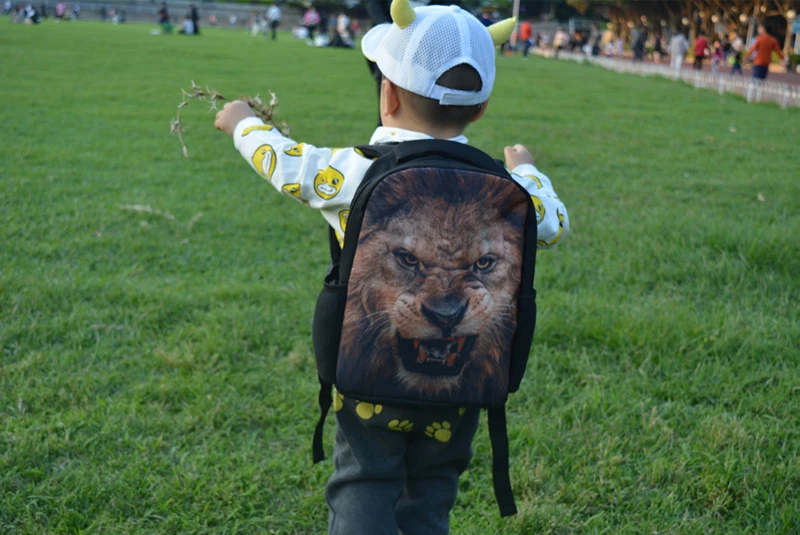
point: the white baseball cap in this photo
(424, 43)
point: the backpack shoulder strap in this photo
(325, 402)
(452, 150)
(335, 248)
(498, 435)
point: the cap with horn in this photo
(500, 31)
(402, 13)
(423, 43)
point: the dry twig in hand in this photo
(267, 112)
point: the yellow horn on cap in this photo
(500, 31)
(402, 13)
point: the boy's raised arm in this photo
(313, 176)
(551, 214)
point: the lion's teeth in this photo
(421, 356)
(461, 340)
(416, 343)
(451, 358)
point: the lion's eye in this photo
(485, 263)
(407, 259)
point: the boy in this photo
(397, 470)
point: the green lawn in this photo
(156, 374)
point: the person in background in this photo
(61, 8)
(311, 21)
(658, 48)
(526, 35)
(560, 41)
(678, 46)
(763, 47)
(195, 18)
(76, 11)
(7, 7)
(727, 49)
(700, 47)
(717, 57)
(639, 44)
(188, 26)
(163, 14)
(274, 19)
(737, 47)
(43, 10)
(31, 15)
(232, 20)
(212, 19)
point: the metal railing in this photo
(786, 95)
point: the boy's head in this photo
(438, 66)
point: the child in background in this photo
(717, 57)
(385, 481)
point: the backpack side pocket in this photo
(327, 329)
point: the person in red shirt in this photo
(525, 34)
(763, 47)
(700, 47)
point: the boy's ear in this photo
(390, 101)
(480, 113)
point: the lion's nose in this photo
(445, 313)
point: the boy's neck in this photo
(419, 126)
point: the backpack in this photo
(420, 306)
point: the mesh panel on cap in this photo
(439, 38)
(439, 45)
(482, 51)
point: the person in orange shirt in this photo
(525, 34)
(763, 47)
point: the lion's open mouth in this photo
(435, 357)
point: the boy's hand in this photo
(517, 155)
(231, 114)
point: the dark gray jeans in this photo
(396, 471)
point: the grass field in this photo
(156, 374)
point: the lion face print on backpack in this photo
(431, 304)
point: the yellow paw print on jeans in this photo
(338, 401)
(439, 431)
(367, 410)
(405, 426)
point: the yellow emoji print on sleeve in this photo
(540, 210)
(297, 150)
(535, 179)
(256, 127)
(264, 160)
(293, 190)
(343, 217)
(328, 183)
(543, 243)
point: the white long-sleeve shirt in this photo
(326, 179)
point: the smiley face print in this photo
(297, 150)
(328, 183)
(555, 240)
(249, 129)
(539, 206)
(293, 190)
(344, 215)
(264, 161)
(535, 179)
